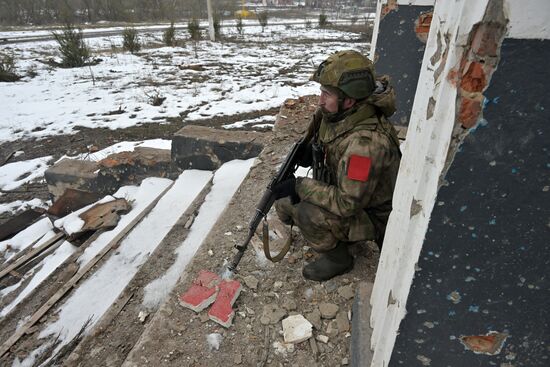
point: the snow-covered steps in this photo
(93, 296)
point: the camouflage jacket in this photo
(361, 159)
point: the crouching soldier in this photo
(354, 154)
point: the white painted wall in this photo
(529, 19)
(423, 160)
(416, 2)
(376, 27)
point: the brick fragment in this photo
(474, 79)
(202, 293)
(222, 309)
(470, 110)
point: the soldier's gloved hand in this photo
(306, 156)
(286, 188)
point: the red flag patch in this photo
(359, 168)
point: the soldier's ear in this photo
(349, 102)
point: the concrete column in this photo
(433, 126)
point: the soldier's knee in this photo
(285, 210)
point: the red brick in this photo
(422, 25)
(470, 109)
(474, 79)
(202, 293)
(486, 39)
(222, 310)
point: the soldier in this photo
(354, 152)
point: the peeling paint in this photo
(454, 297)
(431, 108)
(389, 7)
(424, 360)
(422, 25)
(489, 344)
(416, 207)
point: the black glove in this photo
(306, 156)
(286, 188)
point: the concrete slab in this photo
(106, 176)
(205, 148)
(361, 332)
(132, 167)
(79, 175)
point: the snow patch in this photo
(13, 175)
(96, 294)
(226, 181)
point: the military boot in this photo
(330, 264)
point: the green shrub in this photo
(7, 69)
(169, 35)
(308, 24)
(262, 18)
(74, 51)
(323, 20)
(130, 40)
(239, 25)
(194, 29)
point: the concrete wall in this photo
(397, 49)
(462, 54)
(485, 257)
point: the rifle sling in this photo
(267, 252)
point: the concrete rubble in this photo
(296, 329)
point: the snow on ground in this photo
(26, 237)
(49, 264)
(18, 205)
(13, 175)
(263, 121)
(140, 197)
(95, 295)
(226, 181)
(125, 146)
(10, 173)
(257, 72)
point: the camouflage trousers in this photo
(323, 229)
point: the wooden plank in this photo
(31, 254)
(71, 283)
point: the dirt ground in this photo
(175, 336)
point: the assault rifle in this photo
(287, 169)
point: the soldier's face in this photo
(328, 101)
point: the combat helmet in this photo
(349, 71)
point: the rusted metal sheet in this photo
(71, 201)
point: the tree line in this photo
(40, 12)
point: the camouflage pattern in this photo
(321, 228)
(338, 208)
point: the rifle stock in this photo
(287, 169)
